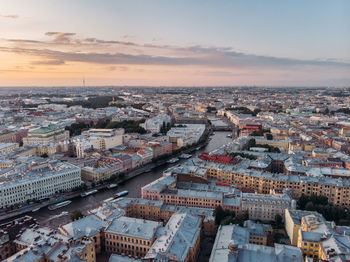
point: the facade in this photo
(101, 173)
(7, 137)
(337, 191)
(292, 222)
(265, 206)
(7, 148)
(158, 211)
(178, 240)
(154, 124)
(104, 139)
(317, 238)
(42, 181)
(258, 233)
(172, 191)
(232, 243)
(38, 244)
(130, 236)
(90, 226)
(46, 135)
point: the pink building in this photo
(167, 148)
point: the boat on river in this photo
(59, 205)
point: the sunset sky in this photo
(175, 43)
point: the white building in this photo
(265, 207)
(37, 182)
(103, 139)
(186, 134)
(154, 124)
(80, 146)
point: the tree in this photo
(227, 221)
(278, 221)
(249, 144)
(239, 219)
(219, 214)
(76, 214)
(163, 128)
(269, 136)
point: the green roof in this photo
(45, 129)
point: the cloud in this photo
(118, 68)
(207, 62)
(61, 37)
(24, 41)
(9, 16)
(49, 62)
(128, 36)
(198, 56)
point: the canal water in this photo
(56, 217)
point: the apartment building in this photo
(102, 172)
(7, 136)
(46, 135)
(337, 190)
(178, 240)
(317, 238)
(173, 191)
(232, 243)
(37, 181)
(292, 222)
(154, 124)
(266, 206)
(7, 148)
(130, 236)
(104, 139)
(37, 244)
(258, 233)
(159, 211)
(87, 227)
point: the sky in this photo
(175, 43)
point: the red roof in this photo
(215, 158)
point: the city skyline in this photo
(174, 43)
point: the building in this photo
(184, 190)
(37, 181)
(336, 190)
(7, 136)
(178, 240)
(232, 245)
(101, 172)
(292, 222)
(46, 135)
(155, 124)
(119, 258)
(281, 144)
(158, 211)
(258, 233)
(186, 135)
(265, 207)
(130, 236)
(103, 139)
(9, 232)
(90, 226)
(37, 244)
(317, 238)
(7, 148)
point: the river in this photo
(55, 217)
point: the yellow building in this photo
(308, 242)
(282, 144)
(337, 193)
(130, 236)
(292, 223)
(46, 135)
